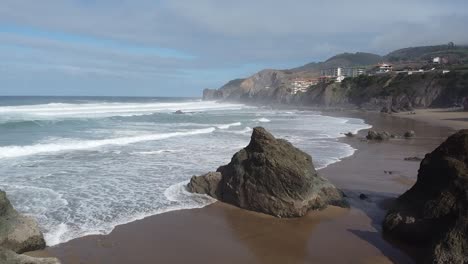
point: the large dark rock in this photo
(434, 212)
(271, 176)
(18, 232)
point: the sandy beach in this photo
(220, 233)
(454, 118)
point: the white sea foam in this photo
(98, 110)
(263, 120)
(72, 145)
(227, 126)
(155, 152)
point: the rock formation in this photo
(434, 212)
(18, 234)
(270, 176)
(409, 134)
(380, 136)
(10, 257)
(205, 184)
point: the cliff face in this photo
(389, 91)
(246, 89)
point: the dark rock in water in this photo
(17, 232)
(413, 159)
(409, 134)
(435, 209)
(179, 112)
(205, 184)
(272, 176)
(363, 196)
(349, 134)
(10, 257)
(379, 136)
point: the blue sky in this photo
(178, 48)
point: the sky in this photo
(178, 48)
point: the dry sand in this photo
(220, 233)
(454, 118)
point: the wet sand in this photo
(220, 233)
(454, 118)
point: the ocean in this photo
(83, 165)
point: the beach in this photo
(221, 233)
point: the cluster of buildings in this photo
(340, 73)
(301, 84)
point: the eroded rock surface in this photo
(434, 212)
(270, 176)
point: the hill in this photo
(455, 54)
(342, 60)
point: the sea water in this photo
(82, 166)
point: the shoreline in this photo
(357, 227)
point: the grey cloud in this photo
(224, 36)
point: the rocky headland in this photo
(270, 176)
(19, 234)
(430, 86)
(434, 212)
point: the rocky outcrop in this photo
(379, 136)
(270, 176)
(10, 257)
(19, 234)
(205, 184)
(434, 212)
(409, 134)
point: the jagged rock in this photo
(380, 136)
(205, 184)
(409, 134)
(271, 176)
(363, 196)
(17, 232)
(10, 257)
(179, 112)
(349, 134)
(435, 209)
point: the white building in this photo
(436, 60)
(343, 71)
(384, 68)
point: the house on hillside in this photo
(302, 84)
(384, 68)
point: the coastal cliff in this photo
(393, 92)
(389, 92)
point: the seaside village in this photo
(338, 74)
